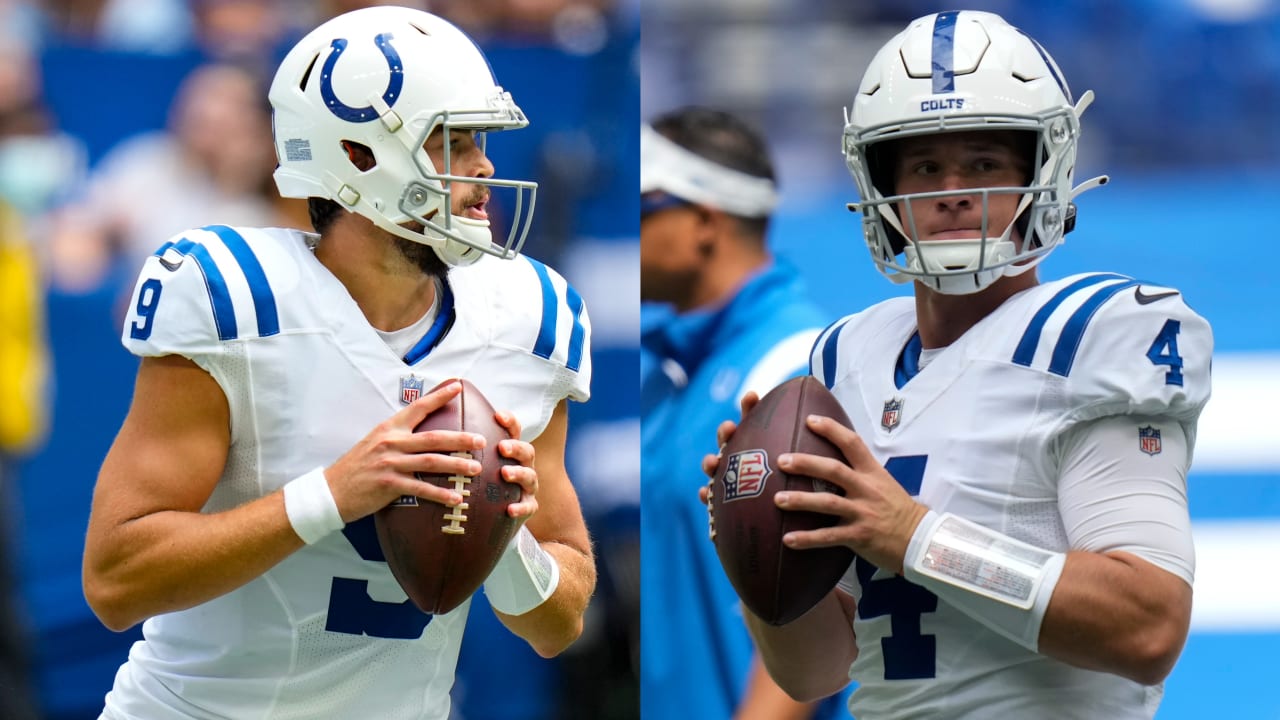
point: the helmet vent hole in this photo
(873, 91)
(1023, 78)
(307, 75)
(419, 29)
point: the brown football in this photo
(441, 555)
(776, 583)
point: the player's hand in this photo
(522, 474)
(877, 516)
(381, 467)
(725, 431)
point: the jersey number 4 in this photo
(908, 653)
(1164, 351)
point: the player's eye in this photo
(461, 139)
(986, 165)
(925, 168)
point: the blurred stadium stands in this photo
(1185, 125)
(576, 79)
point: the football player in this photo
(1015, 489)
(282, 375)
(738, 319)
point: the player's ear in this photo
(712, 224)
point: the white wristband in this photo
(1003, 583)
(525, 576)
(310, 506)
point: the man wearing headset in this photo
(724, 317)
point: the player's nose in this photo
(480, 164)
(955, 184)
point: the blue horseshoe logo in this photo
(367, 113)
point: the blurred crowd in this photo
(791, 66)
(123, 122)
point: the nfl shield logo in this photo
(1149, 440)
(410, 389)
(892, 414)
(745, 474)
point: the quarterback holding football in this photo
(283, 374)
(1014, 475)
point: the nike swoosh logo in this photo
(172, 260)
(1144, 299)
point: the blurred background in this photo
(1185, 123)
(123, 122)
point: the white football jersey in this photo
(327, 633)
(972, 433)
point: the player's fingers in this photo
(725, 431)
(820, 502)
(439, 441)
(419, 409)
(854, 449)
(421, 489)
(822, 468)
(518, 450)
(704, 494)
(523, 509)
(436, 464)
(525, 477)
(749, 401)
(508, 422)
(823, 537)
(710, 463)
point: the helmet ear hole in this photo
(360, 156)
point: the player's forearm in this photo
(554, 625)
(764, 700)
(170, 560)
(809, 657)
(1115, 613)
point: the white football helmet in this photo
(386, 78)
(964, 71)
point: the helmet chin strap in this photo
(454, 252)
(936, 262)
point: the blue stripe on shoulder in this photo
(1026, 350)
(579, 335)
(546, 342)
(829, 355)
(264, 301)
(1064, 353)
(224, 313)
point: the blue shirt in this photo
(695, 649)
